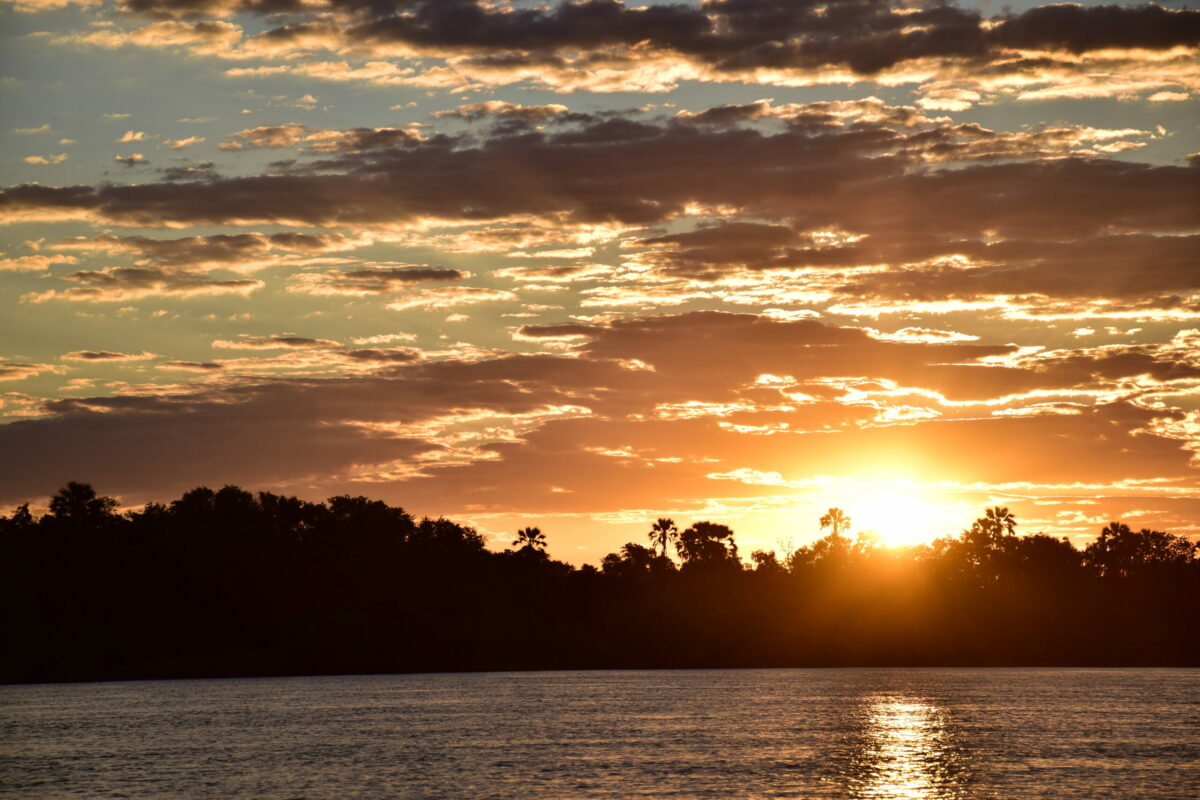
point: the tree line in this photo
(228, 582)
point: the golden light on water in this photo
(907, 754)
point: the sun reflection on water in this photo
(907, 754)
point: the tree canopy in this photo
(230, 582)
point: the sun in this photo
(898, 517)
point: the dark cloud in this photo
(727, 35)
(395, 355)
(264, 433)
(1125, 266)
(729, 114)
(826, 186)
(1112, 363)
(308, 242)
(202, 171)
(690, 348)
(1104, 266)
(557, 331)
(104, 355)
(131, 283)
(157, 444)
(512, 111)
(372, 280)
(1079, 29)
(218, 250)
(192, 366)
(715, 249)
(862, 175)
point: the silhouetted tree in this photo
(228, 582)
(707, 544)
(767, 562)
(530, 539)
(443, 536)
(662, 534)
(998, 521)
(836, 520)
(1119, 552)
(79, 503)
(20, 522)
(976, 553)
(635, 561)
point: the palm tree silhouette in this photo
(1114, 529)
(530, 539)
(663, 533)
(999, 519)
(837, 520)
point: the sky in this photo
(584, 265)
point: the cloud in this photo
(1079, 29)
(34, 6)
(768, 397)
(277, 342)
(394, 355)
(17, 371)
(371, 280)
(512, 116)
(286, 427)
(563, 332)
(319, 140)
(87, 356)
(51, 159)
(502, 108)
(385, 338)
(117, 284)
(1038, 222)
(976, 255)
(244, 252)
(863, 165)
(570, 273)
(179, 144)
(606, 45)
(205, 37)
(449, 297)
(203, 367)
(926, 335)
(268, 136)
(36, 263)
(1099, 266)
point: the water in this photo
(856, 733)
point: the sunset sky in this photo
(584, 265)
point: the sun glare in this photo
(899, 518)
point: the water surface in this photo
(919, 734)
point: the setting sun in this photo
(901, 517)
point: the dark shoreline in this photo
(632, 669)
(229, 584)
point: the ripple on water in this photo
(872, 734)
